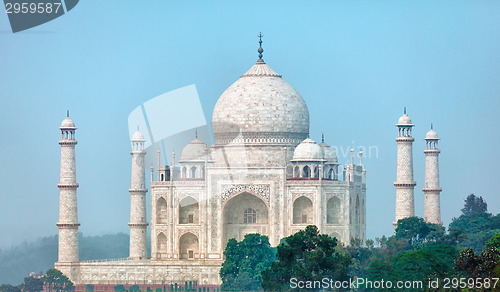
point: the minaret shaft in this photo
(138, 223)
(405, 205)
(405, 202)
(68, 211)
(432, 191)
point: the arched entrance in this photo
(188, 211)
(244, 214)
(333, 209)
(303, 211)
(188, 246)
(161, 246)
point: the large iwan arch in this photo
(243, 214)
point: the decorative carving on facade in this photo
(227, 191)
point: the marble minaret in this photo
(68, 212)
(432, 211)
(138, 224)
(404, 182)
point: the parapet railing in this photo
(107, 260)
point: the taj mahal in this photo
(263, 174)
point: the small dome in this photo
(404, 120)
(138, 137)
(431, 135)
(308, 150)
(67, 123)
(195, 151)
(328, 153)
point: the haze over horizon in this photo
(356, 64)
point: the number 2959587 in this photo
(32, 8)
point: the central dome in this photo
(263, 107)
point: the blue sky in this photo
(356, 64)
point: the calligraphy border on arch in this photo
(228, 190)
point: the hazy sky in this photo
(356, 64)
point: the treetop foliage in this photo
(244, 262)
(474, 205)
(306, 255)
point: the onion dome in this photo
(195, 151)
(261, 106)
(328, 153)
(138, 137)
(308, 150)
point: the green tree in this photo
(361, 256)
(9, 288)
(474, 205)
(244, 262)
(32, 284)
(308, 256)
(494, 242)
(57, 281)
(435, 261)
(412, 229)
(478, 227)
(478, 266)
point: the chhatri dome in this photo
(328, 153)
(195, 151)
(308, 150)
(260, 104)
(431, 135)
(67, 122)
(404, 120)
(138, 137)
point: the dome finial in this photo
(260, 50)
(405, 110)
(67, 113)
(196, 133)
(322, 137)
(432, 127)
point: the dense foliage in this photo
(54, 280)
(306, 255)
(245, 260)
(478, 225)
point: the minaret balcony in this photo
(405, 184)
(431, 190)
(68, 186)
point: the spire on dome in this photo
(322, 137)
(405, 110)
(432, 127)
(196, 133)
(260, 50)
(67, 113)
